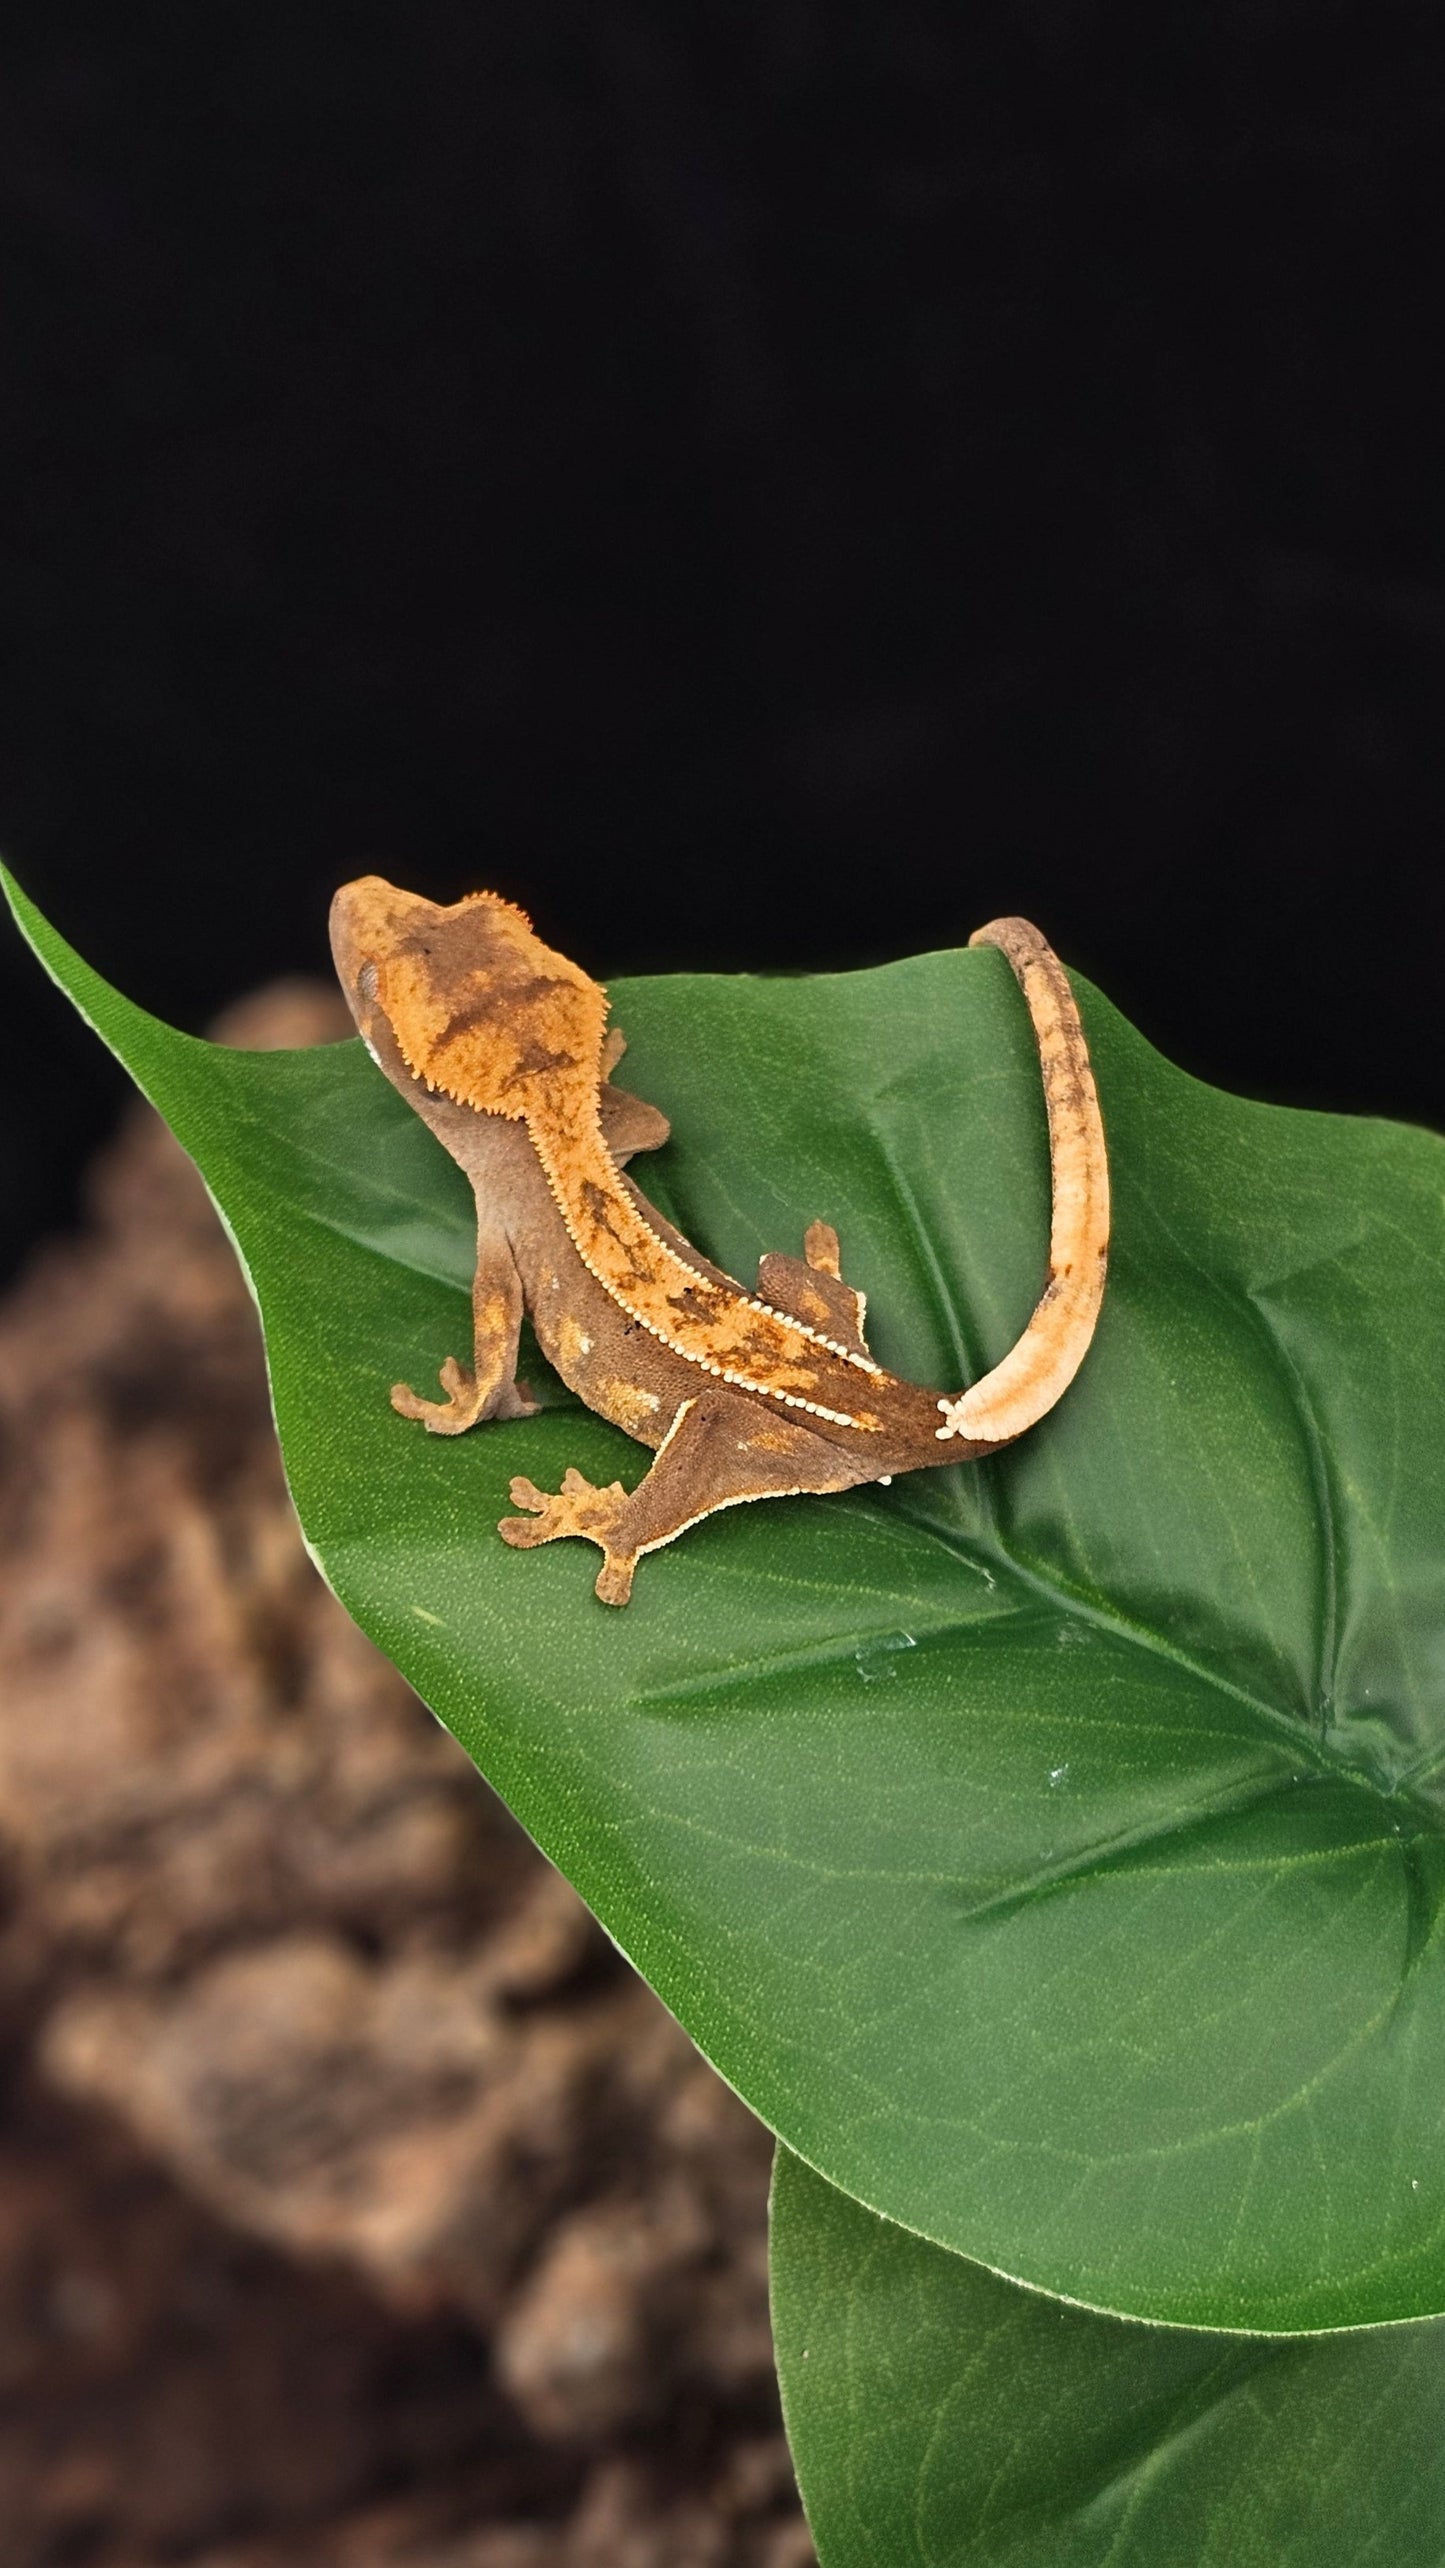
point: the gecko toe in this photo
(516, 1401)
(408, 1403)
(522, 1532)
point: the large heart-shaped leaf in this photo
(1051, 1851)
(942, 2418)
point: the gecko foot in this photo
(577, 1508)
(465, 1404)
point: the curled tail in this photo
(1038, 1370)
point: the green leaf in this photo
(941, 2418)
(1050, 1850)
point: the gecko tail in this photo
(1039, 1368)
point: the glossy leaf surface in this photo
(941, 2418)
(1051, 1851)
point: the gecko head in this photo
(374, 925)
(470, 998)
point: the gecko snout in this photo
(370, 921)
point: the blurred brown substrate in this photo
(357, 2204)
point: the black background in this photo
(766, 485)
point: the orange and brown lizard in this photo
(502, 1047)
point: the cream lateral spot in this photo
(573, 1341)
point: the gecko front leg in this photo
(718, 1452)
(487, 1388)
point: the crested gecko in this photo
(502, 1047)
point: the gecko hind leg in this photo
(720, 1451)
(810, 1288)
